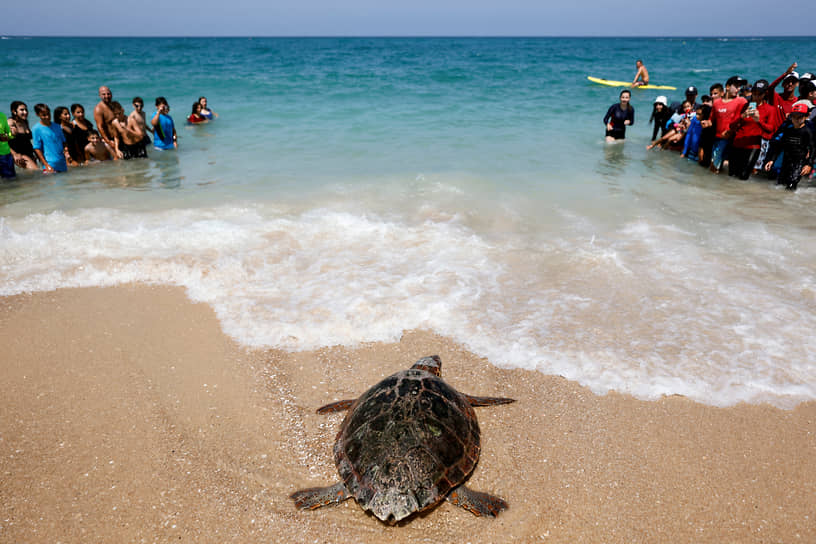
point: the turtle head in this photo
(432, 364)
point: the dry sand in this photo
(127, 416)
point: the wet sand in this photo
(127, 416)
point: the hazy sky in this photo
(407, 18)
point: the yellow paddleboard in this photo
(611, 83)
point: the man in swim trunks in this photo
(642, 75)
(103, 115)
(129, 138)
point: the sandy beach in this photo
(128, 416)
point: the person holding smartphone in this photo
(747, 142)
(163, 127)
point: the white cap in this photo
(662, 100)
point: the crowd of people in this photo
(69, 139)
(746, 130)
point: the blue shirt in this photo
(692, 143)
(51, 141)
(164, 132)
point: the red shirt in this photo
(770, 119)
(724, 113)
(784, 105)
(196, 118)
(747, 133)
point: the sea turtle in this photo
(408, 443)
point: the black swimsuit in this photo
(81, 136)
(74, 151)
(21, 144)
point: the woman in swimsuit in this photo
(21, 148)
(82, 127)
(206, 112)
(618, 117)
(62, 117)
(196, 116)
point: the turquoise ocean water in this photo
(355, 188)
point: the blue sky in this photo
(407, 18)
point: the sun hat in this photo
(662, 100)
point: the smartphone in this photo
(752, 106)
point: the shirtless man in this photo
(128, 135)
(137, 120)
(642, 75)
(103, 115)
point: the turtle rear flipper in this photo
(315, 497)
(476, 502)
(338, 406)
(487, 401)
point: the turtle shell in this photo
(406, 443)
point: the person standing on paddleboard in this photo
(618, 117)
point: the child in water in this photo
(678, 124)
(660, 116)
(97, 150)
(796, 142)
(692, 148)
(195, 116)
(49, 142)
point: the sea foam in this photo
(649, 309)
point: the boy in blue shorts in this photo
(48, 141)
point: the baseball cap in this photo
(761, 85)
(806, 87)
(792, 75)
(691, 90)
(801, 107)
(662, 100)
(807, 75)
(736, 81)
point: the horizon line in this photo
(416, 36)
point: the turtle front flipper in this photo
(476, 502)
(338, 406)
(487, 401)
(316, 497)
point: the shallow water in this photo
(355, 188)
